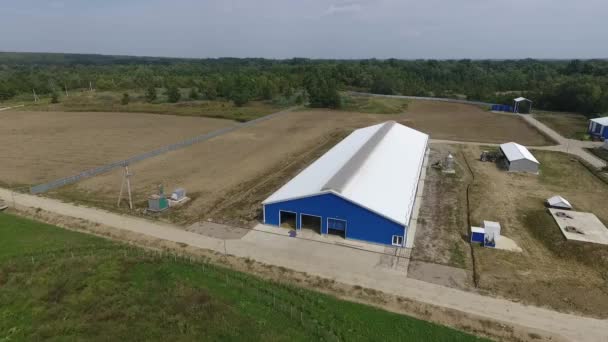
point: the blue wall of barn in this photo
(595, 129)
(362, 224)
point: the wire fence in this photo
(41, 188)
(426, 98)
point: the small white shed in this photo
(522, 105)
(559, 202)
(518, 158)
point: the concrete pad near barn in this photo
(579, 226)
(306, 234)
(217, 231)
(411, 232)
(506, 244)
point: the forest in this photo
(559, 85)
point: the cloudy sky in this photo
(310, 28)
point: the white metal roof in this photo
(514, 151)
(376, 167)
(519, 99)
(602, 121)
(491, 224)
(559, 201)
(477, 230)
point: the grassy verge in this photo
(110, 102)
(569, 125)
(543, 227)
(61, 283)
(373, 105)
(599, 152)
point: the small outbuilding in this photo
(364, 188)
(559, 202)
(518, 158)
(598, 127)
(486, 235)
(522, 105)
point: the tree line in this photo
(576, 85)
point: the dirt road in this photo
(343, 264)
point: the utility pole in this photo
(126, 179)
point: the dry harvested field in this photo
(228, 176)
(551, 271)
(41, 146)
(463, 122)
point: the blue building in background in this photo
(364, 188)
(598, 127)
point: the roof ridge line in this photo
(342, 177)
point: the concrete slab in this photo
(439, 274)
(504, 243)
(579, 226)
(307, 234)
(217, 231)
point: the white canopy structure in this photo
(519, 158)
(559, 202)
(376, 167)
(602, 121)
(517, 102)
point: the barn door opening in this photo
(310, 222)
(288, 219)
(336, 227)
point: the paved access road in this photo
(575, 147)
(343, 264)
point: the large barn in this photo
(518, 158)
(363, 188)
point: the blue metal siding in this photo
(335, 224)
(477, 237)
(361, 224)
(595, 129)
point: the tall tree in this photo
(151, 93)
(125, 99)
(173, 94)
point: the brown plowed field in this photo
(456, 121)
(227, 176)
(36, 147)
(250, 162)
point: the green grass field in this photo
(62, 285)
(373, 105)
(569, 125)
(110, 102)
